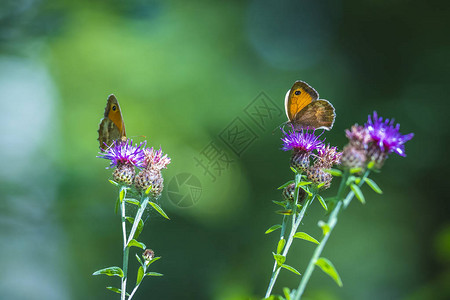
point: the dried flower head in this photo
(151, 176)
(148, 255)
(318, 177)
(327, 156)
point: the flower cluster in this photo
(126, 158)
(373, 142)
(307, 145)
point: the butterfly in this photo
(304, 109)
(111, 127)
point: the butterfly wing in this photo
(318, 114)
(111, 127)
(298, 97)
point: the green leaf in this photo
(325, 227)
(280, 203)
(285, 212)
(136, 244)
(293, 170)
(116, 208)
(281, 244)
(306, 191)
(306, 237)
(148, 190)
(322, 201)
(139, 228)
(153, 274)
(334, 172)
(357, 180)
(350, 180)
(280, 259)
(291, 269)
(355, 170)
(111, 271)
(273, 228)
(287, 293)
(140, 275)
(121, 195)
(132, 201)
(286, 184)
(303, 183)
(116, 290)
(373, 185)
(320, 185)
(358, 193)
(371, 165)
(139, 260)
(329, 269)
(159, 209)
(114, 183)
(153, 260)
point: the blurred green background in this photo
(184, 73)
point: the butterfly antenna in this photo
(279, 127)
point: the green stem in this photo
(295, 223)
(125, 248)
(138, 218)
(332, 221)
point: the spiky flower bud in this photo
(148, 255)
(289, 193)
(319, 177)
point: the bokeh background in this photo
(183, 72)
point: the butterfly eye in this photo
(297, 93)
(114, 108)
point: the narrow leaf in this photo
(286, 212)
(303, 183)
(132, 201)
(140, 275)
(159, 209)
(358, 193)
(139, 260)
(114, 183)
(306, 237)
(355, 170)
(293, 170)
(321, 185)
(334, 172)
(280, 259)
(136, 244)
(116, 290)
(350, 180)
(121, 195)
(153, 274)
(306, 191)
(325, 227)
(116, 208)
(371, 165)
(153, 260)
(281, 244)
(329, 269)
(291, 269)
(286, 184)
(273, 228)
(287, 293)
(373, 185)
(148, 190)
(322, 201)
(280, 203)
(111, 271)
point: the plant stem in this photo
(295, 223)
(332, 221)
(138, 217)
(125, 248)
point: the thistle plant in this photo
(367, 150)
(135, 191)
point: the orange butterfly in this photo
(304, 109)
(111, 127)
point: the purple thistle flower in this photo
(327, 156)
(155, 159)
(123, 152)
(301, 141)
(386, 136)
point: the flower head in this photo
(358, 137)
(385, 136)
(124, 153)
(155, 159)
(301, 141)
(327, 156)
